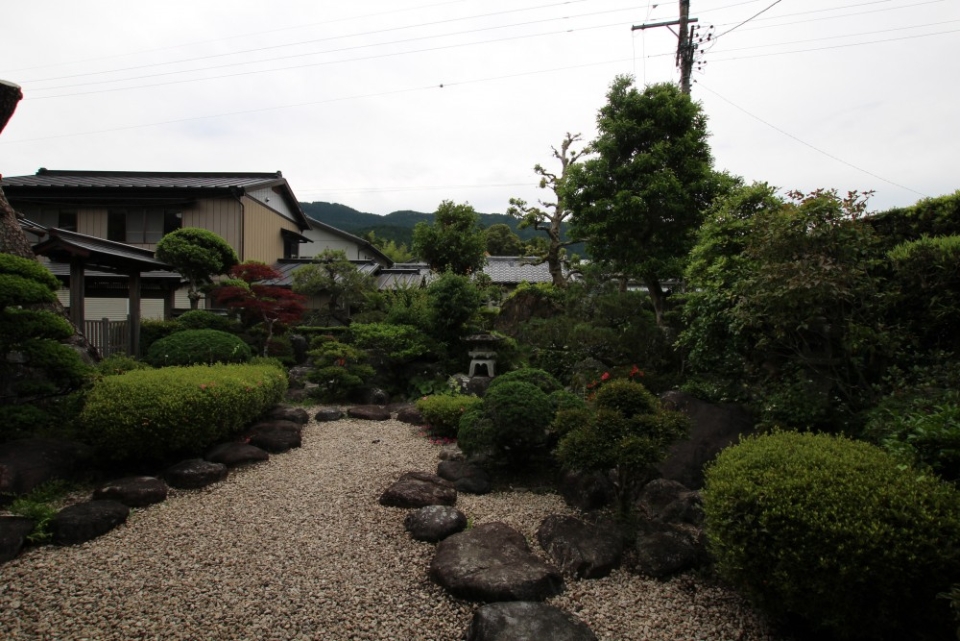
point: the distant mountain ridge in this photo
(396, 226)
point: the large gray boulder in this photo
(133, 491)
(582, 549)
(670, 536)
(328, 414)
(713, 428)
(85, 521)
(587, 491)
(434, 522)
(492, 562)
(194, 473)
(466, 477)
(526, 621)
(419, 489)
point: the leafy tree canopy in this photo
(501, 241)
(198, 255)
(454, 241)
(639, 200)
(333, 276)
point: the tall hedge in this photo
(835, 532)
(149, 414)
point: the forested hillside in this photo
(396, 226)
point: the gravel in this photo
(299, 548)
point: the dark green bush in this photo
(544, 381)
(564, 400)
(153, 330)
(629, 432)
(515, 420)
(399, 343)
(475, 432)
(443, 412)
(340, 371)
(150, 414)
(198, 346)
(119, 364)
(281, 349)
(835, 532)
(203, 319)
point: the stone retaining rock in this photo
(466, 477)
(492, 562)
(194, 473)
(288, 413)
(419, 489)
(434, 522)
(587, 491)
(328, 414)
(85, 521)
(133, 491)
(275, 437)
(233, 454)
(410, 414)
(578, 548)
(526, 621)
(369, 413)
(13, 534)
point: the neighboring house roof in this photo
(81, 186)
(370, 247)
(513, 270)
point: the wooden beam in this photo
(134, 328)
(77, 278)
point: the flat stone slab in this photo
(419, 489)
(328, 414)
(526, 621)
(85, 521)
(434, 522)
(410, 414)
(133, 491)
(13, 534)
(369, 413)
(492, 562)
(466, 477)
(194, 473)
(233, 454)
(275, 437)
(578, 548)
(288, 413)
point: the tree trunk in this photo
(657, 297)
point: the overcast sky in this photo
(399, 104)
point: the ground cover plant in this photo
(151, 414)
(836, 533)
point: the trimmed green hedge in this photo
(196, 347)
(835, 532)
(149, 414)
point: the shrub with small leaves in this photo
(196, 347)
(544, 381)
(836, 532)
(443, 412)
(515, 420)
(203, 319)
(340, 370)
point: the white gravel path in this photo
(299, 548)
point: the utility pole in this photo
(685, 45)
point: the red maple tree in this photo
(255, 302)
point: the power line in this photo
(805, 143)
(775, 3)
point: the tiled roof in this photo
(61, 244)
(506, 270)
(142, 179)
(288, 267)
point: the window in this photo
(67, 220)
(142, 226)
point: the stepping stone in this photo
(13, 535)
(526, 621)
(581, 549)
(492, 562)
(410, 414)
(466, 477)
(85, 521)
(369, 413)
(195, 473)
(328, 414)
(233, 454)
(133, 491)
(419, 489)
(434, 522)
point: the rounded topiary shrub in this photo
(198, 347)
(515, 420)
(543, 380)
(202, 319)
(836, 533)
